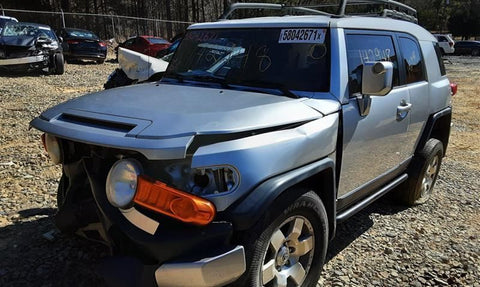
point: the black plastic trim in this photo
(368, 200)
(446, 112)
(250, 209)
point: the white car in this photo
(446, 43)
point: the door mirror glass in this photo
(377, 78)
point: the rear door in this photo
(414, 77)
(376, 145)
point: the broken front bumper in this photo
(24, 60)
(165, 252)
(214, 271)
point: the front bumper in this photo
(24, 60)
(214, 271)
(167, 253)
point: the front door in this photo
(376, 144)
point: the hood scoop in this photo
(97, 123)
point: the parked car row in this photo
(449, 46)
(31, 46)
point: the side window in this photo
(439, 59)
(412, 59)
(368, 48)
(442, 39)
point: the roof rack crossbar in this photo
(391, 3)
(391, 8)
(269, 6)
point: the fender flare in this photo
(252, 207)
(442, 119)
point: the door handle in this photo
(403, 109)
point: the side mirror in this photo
(377, 78)
(60, 39)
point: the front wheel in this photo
(291, 244)
(59, 64)
(475, 52)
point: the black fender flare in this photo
(249, 210)
(437, 126)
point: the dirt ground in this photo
(435, 244)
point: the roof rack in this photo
(390, 8)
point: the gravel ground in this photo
(434, 244)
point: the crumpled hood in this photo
(19, 41)
(173, 110)
(162, 120)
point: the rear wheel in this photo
(422, 173)
(289, 244)
(476, 52)
(100, 61)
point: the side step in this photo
(344, 215)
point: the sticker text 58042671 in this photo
(302, 35)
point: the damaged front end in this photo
(28, 46)
(111, 196)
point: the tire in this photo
(422, 174)
(288, 244)
(475, 52)
(117, 79)
(100, 61)
(59, 64)
(62, 189)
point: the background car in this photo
(148, 45)
(4, 20)
(467, 48)
(446, 43)
(79, 44)
(30, 46)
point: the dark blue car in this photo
(467, 48)
(79, 44)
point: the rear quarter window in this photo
(412, 60)
(439, 59)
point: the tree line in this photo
(459, 17)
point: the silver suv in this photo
(263, 134)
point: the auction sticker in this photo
(302, 35)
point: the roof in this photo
(32, 24)
(346, 22)
(9, 18)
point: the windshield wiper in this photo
(270, 85)
(177, 76)
(211, 79)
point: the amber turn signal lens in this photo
(159, 197)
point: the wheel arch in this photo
(438, 127)
(318, 177)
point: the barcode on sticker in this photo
(302, 35)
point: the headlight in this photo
(215, 180)
(52, 146)
(52, 45)
(122, 182)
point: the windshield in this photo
(293, 59)
(83, 34)
(23, 29)
(157, 40)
